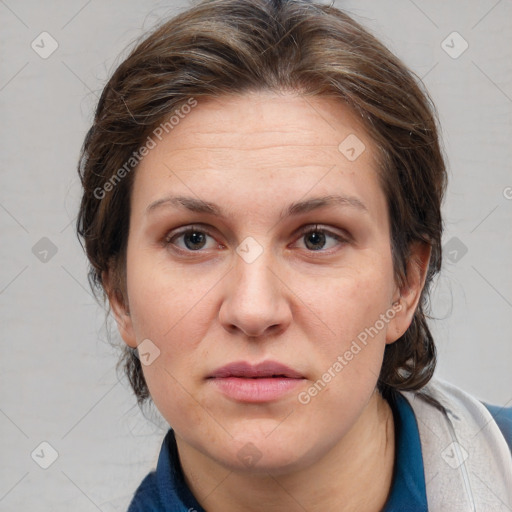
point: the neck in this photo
(356, 475)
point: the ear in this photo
(119, 308)
(408, 296)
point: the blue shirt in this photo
(165, 490)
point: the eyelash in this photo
(168, 240)
(170, 237)
(315, 229)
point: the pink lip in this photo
(263, 382)
(247, 370)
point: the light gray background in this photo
(57, 377)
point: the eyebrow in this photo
(198, 205)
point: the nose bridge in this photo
(254, 277)
(255, 301)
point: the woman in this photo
(262, 193)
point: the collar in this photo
(408, 491)
(166, 490)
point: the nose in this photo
(256, 302)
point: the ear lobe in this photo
(120, 311)
(410, 292)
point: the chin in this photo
(264, 451)
(251, 460)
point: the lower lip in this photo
(256, 390)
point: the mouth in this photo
(264, 382)
(266, 369)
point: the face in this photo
(256, 241)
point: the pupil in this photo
(316, 239)
(195, 239)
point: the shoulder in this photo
(460, 405)
(465, 447)
(146, 498)
(503, 418)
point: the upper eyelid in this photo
(186, 229)
(208, 230)
(319, 227)
(338, 232)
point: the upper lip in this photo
(246, 370)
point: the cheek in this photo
(348, 304)
(167, 300)
(173, 310)
(349, 356)
(173, 395)
(352, 339)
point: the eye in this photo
(317, 239)
(191, 239)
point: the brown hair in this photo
(219, 47)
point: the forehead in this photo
(246, 144)
(259, 120)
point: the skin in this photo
(253, 155)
